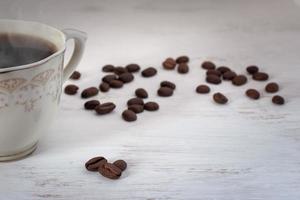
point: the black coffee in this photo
(19, 49)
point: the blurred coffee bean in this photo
(272, 87)
(129, 115)
(133, 68)
(89, 92)
(91, 105)
(75, 75)
(208, 65)
(169, 64)
(104, 87)
(220, 98)
(120, 70)
(168, 84)
(105, 108)
(116, 84)
(213, 79)
(279, 100)
(108, 68)
(182, 59)
(136, 108)
(165, 91)
(183, 68)
(223, 69)
(110, 171)
(213, 72)
(229, 75)
(239, 80)
(121, 164)
(260, 76)
(94, 163)
(109, 78)
(252, 69)
(149, 72)
(71, 89)
(253, 94)
(135, 101)
(151, 106)
(126, 77)
(141, 93)
(202, 89)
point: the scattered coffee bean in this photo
(129, 116)
(75, 75)
(279, 100)
(253, 94)
(89, 92)
(168, 84)
(151, 106)
(126, 77)
(202, 89)
(121, 164)
(220, 98)
(94, 163)
(91, 105)
(272, 87)
(116, 84)
(239, 80)
(182, 59)
(141, 93)
(252, 69)
(213, 72)
(133, 68)
(120, 70)
(110, 171)
(136, 108)
(229, 75)
(169, 64)
(104, 87)
(105, 108)
(165, 91)
(223, 69)
(149, 72)
(109, 78)
(71, 89)
(135, 101)
(108, 68)
(183, 68)
(208, 65)
(213, 79)
(260, 76)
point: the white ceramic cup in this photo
(30, 94)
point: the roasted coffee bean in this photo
(165, 91)
(213, 79)
(208, 65)
(272, 87)
(120, 70)
(133, 68)
(116, 84)
(223, 69)
(110, 171)
(109, 78)
(239, 80)
(202, 89)
(149, 72)
(213, 72)
(279, 100)
(129, 116)
(151, 106)
(89, 92)
(108, 68)
(220, 98)
(260, 76)
(253, 94)
(136, 108)
(91, 105)
(71, 89)
(141, 93)
(104, 87)
(105, 108)
(182, 59)
(94, 163)
(229, 75)
(126, 77)
(75, 75)
(168, 84)
(121, 164)
(252, 69)
(183, 68)
(169, 64)
(135, 101)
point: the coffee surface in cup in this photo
(20, 49)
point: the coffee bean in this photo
(108, 68)
(94, 163)
(213, 79)
(126, 77)
(135, 101)
(141, 93)
(279, 100)
(91, 105)
(223, 69)
(182, 59)
(116, 84)
(105, 108)
(136, 108)
(169, 64)
(208, 65)
(120, 70)
(229, 75)
(253, 94)
(183, 68)
(121, 164)
(133, 68)
(110, 171)
(129, 116)
(109, 78)
(239, 80)
(75, 75)
(252, 69)
(151, 106)
(168, 84)
(260, 76)
(272, 87)
(149, 72)
(220, 98)
(104, 87)
(165, 91)
(89, 92)
(213, 72)
(202, 89)
(71, 89)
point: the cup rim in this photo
(40, 62)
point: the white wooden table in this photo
(192, 148)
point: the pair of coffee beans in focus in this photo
(181, 61)
(101, 109)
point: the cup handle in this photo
(79, 44)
